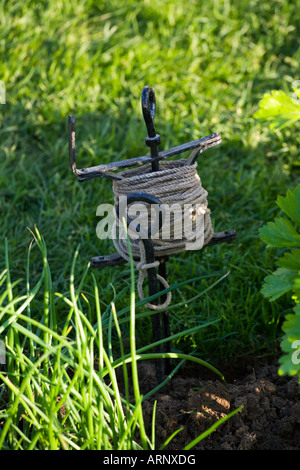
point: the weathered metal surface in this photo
(115, 258)
(160, 323)
(222, 237)
(109, 260)
(153, 139)
(103, 171)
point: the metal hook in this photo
(153, 139)
(83, 174)
(148, 107)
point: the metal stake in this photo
(160, 321)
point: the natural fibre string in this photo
(176, 183)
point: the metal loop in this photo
(152, 141)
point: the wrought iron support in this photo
(161, 323)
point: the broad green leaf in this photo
(290, 361)
(278, 283)
(291, 325)
(280, 234)
(290, 204)
(279, 109)
(290, 260)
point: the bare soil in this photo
(194, 400)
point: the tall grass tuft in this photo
(52, 394)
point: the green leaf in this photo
(290, 204)
(280, 234)
(291, 325)
(290, 361)
(278, 283)
(290, 260)
(279, 109)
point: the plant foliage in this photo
(284, 233)
(59, 388)
(280, 109)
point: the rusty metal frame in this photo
(160, 325)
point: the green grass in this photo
(209, 63)
(58, 397)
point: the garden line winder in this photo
(160, 320)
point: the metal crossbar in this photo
(160, 321)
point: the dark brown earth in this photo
(194, 400)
